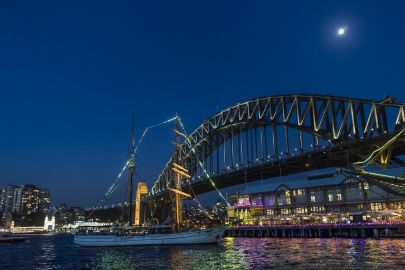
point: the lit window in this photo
(330, 197)
(377, 206)
(339, 197)
(299, 192)
(317, 208)
(313, 199)
(301, 210)
(366, 185)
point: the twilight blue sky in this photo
(72, 72)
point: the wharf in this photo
(358, 230)
(12, 239)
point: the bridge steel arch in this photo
(280, 135)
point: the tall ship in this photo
(169, 233)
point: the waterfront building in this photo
(65, 214)
(25, 199)
(30, 199)
(49, 225)
(78, 213)
(337, 199)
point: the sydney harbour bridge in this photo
(280, 135)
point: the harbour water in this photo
(59, 252)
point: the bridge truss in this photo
(280, 135)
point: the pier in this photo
(361, 230)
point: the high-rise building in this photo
(44, 200)
(29, 199)
(24, 199)
(34, 199)
(17, 205)
(7, 198)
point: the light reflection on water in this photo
(59, 252)
(46, 254)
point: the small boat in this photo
(8, 238)
(205, 236)
(51, 233)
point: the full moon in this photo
(341, 31)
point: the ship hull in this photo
(208, 236)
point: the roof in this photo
(304, 183)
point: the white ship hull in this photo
(207, 236)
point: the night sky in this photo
(72, 72)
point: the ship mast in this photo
(180, 174)
(131, 171)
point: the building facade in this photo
(337, 200)
(25, 199)
(7, 198)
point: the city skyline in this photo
(72, 77)
(202, 134)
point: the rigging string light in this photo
(200, 163)
(114, 186)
